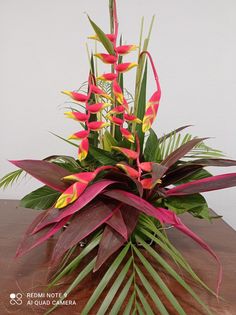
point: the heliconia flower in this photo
(125, 49)
(83, 149)
(107, 76)
(132, 118)
(70, 195)
(118, 92)
(100, 92)
(130, 154)
(116, 110)
(76, 96)
(151, 111)
(80, 135)
(126, 66)
(127, 134)
(106, 58)
(111, 37)
(132, 172)
(146, 166)
(77, 116)
(148, 183)
(97, 125)
(125, 104)
(115, 120)
(97, 107)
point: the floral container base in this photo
(114, 202)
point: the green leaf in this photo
(102, 37)
(142, 107)
(105, 280)
(123, 294)
(151, 147)
(144, 302)
(128, 308)
(114, 288)
(67, 162)
(160, 306)
(181, 204)
(171, 271)
(109, 141)
(169, 295)
(10, 178)
(102, 156)
(40, 199)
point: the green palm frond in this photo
(127, 280)
(175, 140)
(10, 178)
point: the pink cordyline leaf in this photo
(48, 173)
(164, 216)
(26, 247)
(83, 224)
(88, 195)
(203, 185)
(111, 241)
(213, 162)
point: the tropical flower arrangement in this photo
(124, 188)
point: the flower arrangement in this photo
(125, 186)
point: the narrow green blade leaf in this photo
(139, 308)
(10, 178)
(129, 305)
(102, 36)
(115, 287)
(144, 302)
(117, 306)
(102, 156)
(104, 281)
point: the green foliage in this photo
(102, 156)
(10, 178)
(151, 150)
(102, 37)
(40, 199)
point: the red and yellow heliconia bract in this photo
(106, 58)
(132, 118)
(111, 37)
(148, 183)
(97, 125)
(96, 90)
(81, 117)
(108, 76)
(97, 107)
(127, 134)
(117, 110)
(76, 96)
(79, 135)
(151, 111)
(118, 92)
(125, 49)
(132, 172)
(124, 67)
(146, 166)
(116, 120)
(130, 154)
(83, 149)
(70, 195)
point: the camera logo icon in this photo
(16, 299)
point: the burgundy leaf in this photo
(214, 162)
(48, 173)
(163, 215)
(130, 216)
(158, 171)
(205, 184)
(179, 173)
(117, 222)
(88, 195)
(111, 241)
(83, 224)
(172, 132)
(30, 241)
(180, 152)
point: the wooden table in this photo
(29, 273)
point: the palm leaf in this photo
(10, 178)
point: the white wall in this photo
(43, 52)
